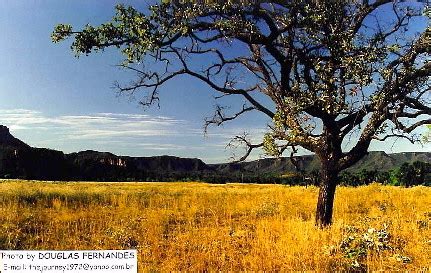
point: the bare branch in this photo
(219, 116)
(243, 140)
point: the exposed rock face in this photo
(7, 140)
(114, 162)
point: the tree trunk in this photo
(325, 203)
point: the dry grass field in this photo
(232, 227)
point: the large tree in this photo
(333, 71)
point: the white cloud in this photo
(96, 126)
(141, 135)
(123, 134)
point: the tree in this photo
(427, 137)
(406, 175)
(334, 71)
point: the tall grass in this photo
(197, 226)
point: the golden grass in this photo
(232, 227)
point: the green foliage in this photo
(269, 145)
(60, 32)
(128, 27)
(417, 173)
(427, 135)
(357, 247)
(393, 177)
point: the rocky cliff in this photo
(7, 140)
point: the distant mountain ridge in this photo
(19, 160)
(375, 160)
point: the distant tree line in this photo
(45, 164)
(414, 174)
(408, 175)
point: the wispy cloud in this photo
(120, 133)
(106, 126)
(140, 135)
(96, 126)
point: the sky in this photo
(49, 98)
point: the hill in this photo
(19, 160)
(373, 161)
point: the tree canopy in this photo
(331, 69)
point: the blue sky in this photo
(51, 99)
